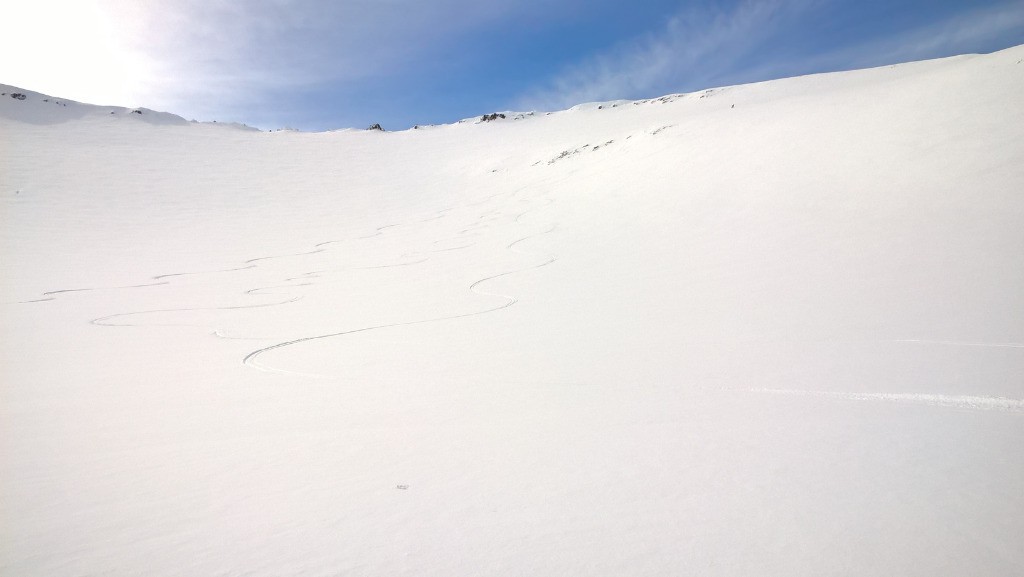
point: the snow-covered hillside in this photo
(30, 107)
(773, 329)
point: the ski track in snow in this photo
(305, 276)
(938, 400)
(314, 251)
(318, 248)
(76, 290)
(440, 214)
(102, 320)
(257, 290)
(250, 264)
(392, 265)
(379, 230)
(453, 248)
(49, 294)
(251, 358)
(204, 271)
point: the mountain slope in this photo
(762, 329)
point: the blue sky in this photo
(318, 65)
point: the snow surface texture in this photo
(774, 329)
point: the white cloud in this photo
(694, 46)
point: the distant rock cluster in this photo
(376, 127)
(23, 96)
(491, 116)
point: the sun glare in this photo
(68, 48)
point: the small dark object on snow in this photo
(136, 111)
(376, 127)
(17, 96)
(491, 116)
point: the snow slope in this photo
(773, 329)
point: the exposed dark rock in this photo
(491, 116)
(18, 96)
(376, 127)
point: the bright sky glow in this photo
(318, 65)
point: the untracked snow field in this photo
(772, 329)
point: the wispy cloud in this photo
(694, 46)
(968, 31)
(972, 30)
(752, 41)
